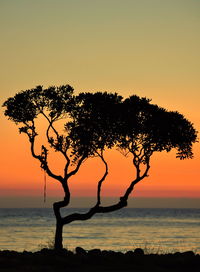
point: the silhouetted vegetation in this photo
(97, 260)
(95, 122)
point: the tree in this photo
(95, 122)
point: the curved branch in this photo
(50, 123)
(56, 148)
(96, 209)
(136, 164)
(64, 152)
(73, 172)
(133, 183)
(43, 161)
(63, 203)
(66, 168)
(66, 200)
(100, 209)
(101, 180)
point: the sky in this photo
(147, 47)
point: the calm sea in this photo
(162, 230)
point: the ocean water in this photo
(155, 230)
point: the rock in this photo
(139, 252)
(80, 251)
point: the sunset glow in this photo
(148, 48)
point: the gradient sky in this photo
(147, 47)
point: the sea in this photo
(154, 230)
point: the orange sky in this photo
(148, 48)
(168, 176)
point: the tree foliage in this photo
(149, 128)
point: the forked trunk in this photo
(58, 245)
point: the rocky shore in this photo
(98, 261)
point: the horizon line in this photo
(88, 202)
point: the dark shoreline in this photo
(97, 260)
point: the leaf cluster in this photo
(146, 128)
(96, 121)
(27, 105)
(92, 128)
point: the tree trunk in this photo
(58, 236)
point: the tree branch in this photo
(100, 209)
(102, 179)
(42, 160)
(63, 203)
(96, 209)
(133, 183)
(57, 205)
(73, 172)
(50, 123)
(64, 152)
(66, 168)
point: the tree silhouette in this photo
(95, 122)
